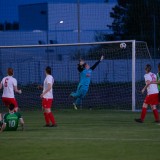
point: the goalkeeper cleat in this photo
(138, 120)
(75, 107)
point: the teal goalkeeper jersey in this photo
(12, 121)
(85, 75)
(85, 78)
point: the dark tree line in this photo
(136, 19)
(9, 26)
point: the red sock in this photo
(143, 113)
(156, 115)
(46, 117)
(51, 117)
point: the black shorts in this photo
(159, 96)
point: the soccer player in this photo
(9, 85)
(0, 120)
(11, 120)
(152, 95)
(158, 81)
(47, 98)
(85, 78)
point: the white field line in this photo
(81, 138)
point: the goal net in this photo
(115, 84)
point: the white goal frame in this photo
(95, 43)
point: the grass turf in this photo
(83, 135)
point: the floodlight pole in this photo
(154, 34)
(56, 24)
(78, 19)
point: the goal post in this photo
(133, 75)
(114, 83)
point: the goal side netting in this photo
(115, 83)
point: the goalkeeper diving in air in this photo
(85, 78)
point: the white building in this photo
(46, 16)
(39, 23)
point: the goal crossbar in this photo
(68, 44)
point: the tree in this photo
(8, 26)
(1, 27)
(136, 19)
(15, 26)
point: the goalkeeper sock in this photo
(51, 117)
(143, 113)
(156, 115)
(46, 117)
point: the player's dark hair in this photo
(148, 68)
(48, 70)
(10, 71)
(84, 65)
(158, 65)
(11, 107)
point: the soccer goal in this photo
(115, 84)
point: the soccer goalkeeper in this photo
(85, 78)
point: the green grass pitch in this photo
(83, 135)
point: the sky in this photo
(9, 8)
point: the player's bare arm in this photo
(40, 87)
(17, 90)
(0, 117)
(146, 86)
(47, 90)
(155, 82)
(1, 86)
(3, 127)
(22, 123)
